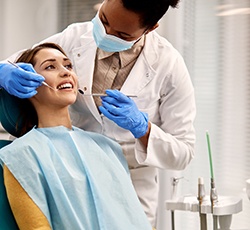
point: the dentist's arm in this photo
(20, 82)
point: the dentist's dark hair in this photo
(151, 11)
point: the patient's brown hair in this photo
(28, 116)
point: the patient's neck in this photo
(53, 117)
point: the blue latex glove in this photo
(20, 82)
(124, 112)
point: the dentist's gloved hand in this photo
(124, 112)
(20, 82)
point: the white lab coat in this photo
(164, 90)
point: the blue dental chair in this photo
(9, 115)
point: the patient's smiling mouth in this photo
(67, 85)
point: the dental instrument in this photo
(44, 83)
(99, 94)
(201, 197)
(213, 191)
(221, 208)
(12, 63)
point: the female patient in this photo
(58, 176)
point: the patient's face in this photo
(58, 73)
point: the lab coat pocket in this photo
(153, 113)
(121, 135)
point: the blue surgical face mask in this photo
(108, 42)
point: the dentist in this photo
(120, 53)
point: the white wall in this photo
(216, 51)
(25, 22)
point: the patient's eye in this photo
(50, 67)
(104, 20)
(69, 66)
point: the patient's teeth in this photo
(66, 85)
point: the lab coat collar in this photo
(84, 57)
(150, 51)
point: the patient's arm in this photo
(26, 212)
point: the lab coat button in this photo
(78, 55)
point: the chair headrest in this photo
(10, 113)
(4, 143)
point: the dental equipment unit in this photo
(175, 182)
(201, 197)
(213, 191)
(221, 207)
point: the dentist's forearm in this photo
(144, 139)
